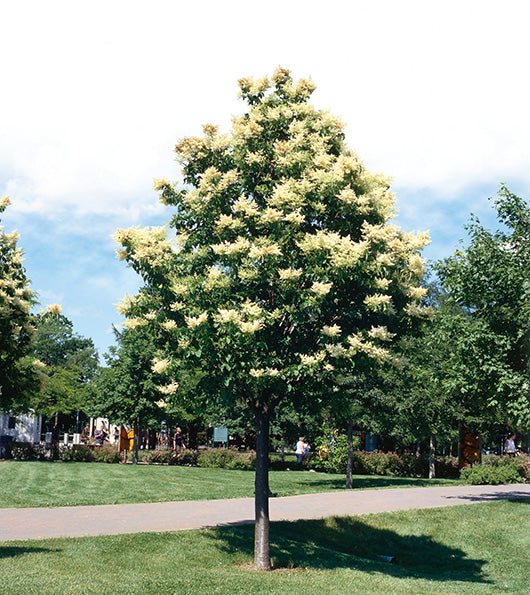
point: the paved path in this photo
(77, 521)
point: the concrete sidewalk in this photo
(78, 521)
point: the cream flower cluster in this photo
(321, 289)
(159, 366)
(378, 301)
(248, 320)
(169, 389)
(195, 321)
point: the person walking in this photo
(178, 441)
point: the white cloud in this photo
(95, 94)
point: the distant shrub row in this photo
(224, 458)
(493, 470)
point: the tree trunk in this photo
(432, 455)
(349, 465)
(136, 428)
(55, 438)
(262, 560)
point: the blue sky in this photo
(95, 95)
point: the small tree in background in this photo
(126, 392)
(18, 378)
(281, 268)
(69, 363)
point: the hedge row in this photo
(384, 463)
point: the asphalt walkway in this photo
(79, 521)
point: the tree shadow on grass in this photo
(14, 551)
(514, 495)
(347, 542)
(369, 482)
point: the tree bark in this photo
(432, 455)
(262, 560)
(349, 465)
(136, 428)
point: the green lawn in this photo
(29, 483)
(474, 549)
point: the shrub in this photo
(186, 457)
(331, 452)
(158, 456)
(447, 467)
(30, 452)
(227, 458)
(495, 470)
(334, 460)
(107, 453)
(80, 453)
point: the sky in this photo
(94, 96)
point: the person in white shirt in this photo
(299, 450)
(509, 445)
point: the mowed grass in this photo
(468, 549)
(34, 484)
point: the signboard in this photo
(220, 435)
(469, 447)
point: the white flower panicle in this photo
(134, 323)
(159, 366)
(169, 389)
(195, 321)
(312, 359)
(381, 333)
(289, 274)
(247, 206)
(169, 325)
(378, 301)
(417, 293)
(228, 248)
(125, 304)
(331, 331)
(160, 183)
(321, 289)
(265, 250)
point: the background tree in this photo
(489, 279)
(282, 267)
(127, 390)
(69, 364)
(18, 378)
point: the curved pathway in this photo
(113, 519)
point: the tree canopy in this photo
(489, 279)
(68, 361)
(281, 266)
(18, 379)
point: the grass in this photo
(476, 549)
(34, 484)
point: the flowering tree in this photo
(17, 374)
(281, 267)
